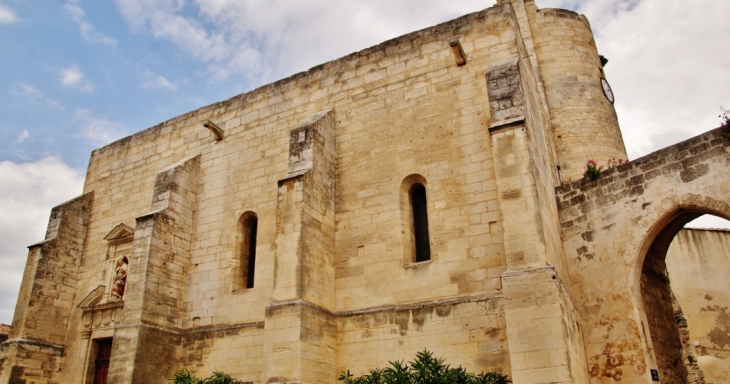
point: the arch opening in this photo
(670, 309)
(697, 266)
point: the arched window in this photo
(247, 262)
(416, 240)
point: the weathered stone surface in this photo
(565, 284)
(698, 269)
(626, 222)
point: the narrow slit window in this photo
(420, 223)
(248, 251)
(251, 252)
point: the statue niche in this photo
(120, 277)
(117, 260)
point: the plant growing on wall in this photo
(614, 162)
(425, 369)
(604, 60)
(725, 121)
(593, 171)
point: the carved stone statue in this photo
(120, 277)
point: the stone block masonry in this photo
(387, 202)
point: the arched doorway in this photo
(698, 270)
(670, 340)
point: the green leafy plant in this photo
(593, 171)
(183, 376)
(424, 369)
(604, 60)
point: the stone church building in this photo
(426, 192)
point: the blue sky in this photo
(78, 74)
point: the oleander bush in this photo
(424, 369)
(183, 376)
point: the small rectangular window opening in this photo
(420, 223)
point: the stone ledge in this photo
(422, 304)
(35, 342)
(203, 329)
(506, 124)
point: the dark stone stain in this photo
(637, 190)
(582, 250)
(636, 180)
(443, 310)
(420, 315)
(720, 333)
(401, 318)
(588, 236)
(16, 375)
(645, 205)
(693, 173)
(608, 364)
(380, 319)
(708, 297)
(493, 306)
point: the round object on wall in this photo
(607, 90)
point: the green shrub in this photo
(604, 60)
(425, 369)
(183, 376)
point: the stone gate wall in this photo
(609, 226)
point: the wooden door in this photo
(101, 364)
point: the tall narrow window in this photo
(247, 262)
(254, 223)
(420, 222)
(414, 220)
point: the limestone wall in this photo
(698, 270)
(400, 108)
(321, 159)
(470, 333)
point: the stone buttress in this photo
(300, 333)
(36, 344)
(545, 339)
(154, 302)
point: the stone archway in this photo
(612, 226)
(667, 327)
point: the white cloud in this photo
(27, 194)
(88, 31)
(667, 65)
(72, 77)
(23, 136)
(35, 94)
(98, 131)
(155, 81)
(7, 16)
(262, 41)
